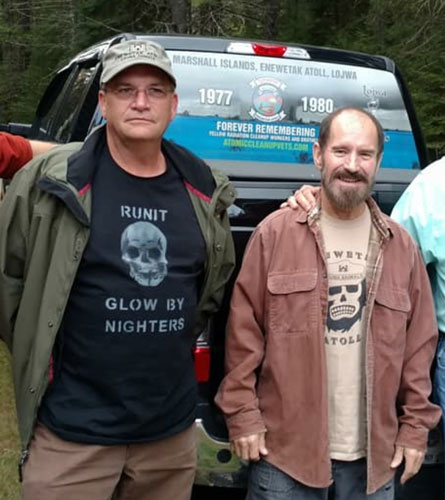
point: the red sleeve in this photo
(15, 151)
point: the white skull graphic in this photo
(345, 304)
(144, 248)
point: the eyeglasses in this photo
(128, 93)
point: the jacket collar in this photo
(379, 219)
(191, 168)
(81, 165)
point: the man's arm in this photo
(16, 151)
(416, 211)
(40, 147)
(245, 345)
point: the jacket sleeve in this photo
(245, 344)
(418, 414)
(15, 151)
(220, 247)
(225, 262)
(14, 226)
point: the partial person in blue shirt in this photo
(421, 210)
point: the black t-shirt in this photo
(123, 357)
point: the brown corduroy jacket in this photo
(275, 353)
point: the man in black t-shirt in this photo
(127, 252)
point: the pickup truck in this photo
(252, 109)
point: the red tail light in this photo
(269, 50)
(202, 363)
(265, 49)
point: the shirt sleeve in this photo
(417, 213)
(15, 151)
(421, 211)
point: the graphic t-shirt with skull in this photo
(124, 369)
(346, 244)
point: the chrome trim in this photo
(211, 471)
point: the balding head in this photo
(326, 124)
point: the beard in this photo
(346, 198)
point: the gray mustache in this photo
(350, 177)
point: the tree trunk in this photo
(180, 10)
(271, 19)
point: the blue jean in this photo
(439, 380)
(439, 375)
(266, 482)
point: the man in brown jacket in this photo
(331, 336)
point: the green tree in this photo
(411, 33)
(38, 36)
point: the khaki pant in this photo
(63, 470)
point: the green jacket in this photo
(44, 228)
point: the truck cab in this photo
(251, 109)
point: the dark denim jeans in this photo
(439, 380)
(266, 482)
(439, 375)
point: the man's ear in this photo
(174, 106)
(317, 155)
(102, 103)
(379, 161)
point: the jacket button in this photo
(218, 247)
(50, 324)
(32, 390)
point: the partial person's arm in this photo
(245, 344)
(40, 147)
(420, 210)
(16, 151)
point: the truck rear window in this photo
(263, 109)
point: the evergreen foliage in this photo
(38, 36)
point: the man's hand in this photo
(413, 461)
(251, 447)
(304, 197)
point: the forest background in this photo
(37, 37)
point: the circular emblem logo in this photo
(267, 100)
